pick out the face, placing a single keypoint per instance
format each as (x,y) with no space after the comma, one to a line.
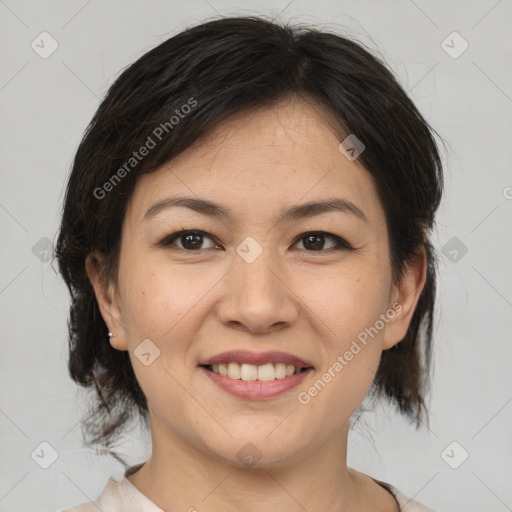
(308,285)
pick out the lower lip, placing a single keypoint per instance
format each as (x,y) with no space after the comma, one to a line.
(255,389)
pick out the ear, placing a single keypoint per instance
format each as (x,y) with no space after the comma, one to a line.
(405,297)
(107,298)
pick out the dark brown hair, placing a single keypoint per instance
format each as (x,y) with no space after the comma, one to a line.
(218,69)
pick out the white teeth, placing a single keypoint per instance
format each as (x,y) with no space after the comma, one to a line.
(248,372)
(264,372)
(234,370)
(280,370)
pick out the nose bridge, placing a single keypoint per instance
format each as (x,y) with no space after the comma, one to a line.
(255,265)
(258,296)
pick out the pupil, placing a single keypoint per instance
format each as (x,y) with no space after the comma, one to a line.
(312,237)
(188,237)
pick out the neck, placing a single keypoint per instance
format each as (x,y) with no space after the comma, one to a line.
(180,476)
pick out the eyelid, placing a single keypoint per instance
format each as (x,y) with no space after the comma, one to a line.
(342,244)
(169,239)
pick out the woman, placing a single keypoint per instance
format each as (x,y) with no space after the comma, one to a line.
(245,237)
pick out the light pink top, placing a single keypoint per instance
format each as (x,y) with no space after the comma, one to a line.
(123,496)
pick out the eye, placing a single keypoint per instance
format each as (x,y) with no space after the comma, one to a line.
(313,241)
(316,241)
(191,240)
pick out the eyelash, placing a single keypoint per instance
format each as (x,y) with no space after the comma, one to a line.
(342,244)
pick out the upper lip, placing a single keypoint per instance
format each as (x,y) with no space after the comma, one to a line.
(256,358)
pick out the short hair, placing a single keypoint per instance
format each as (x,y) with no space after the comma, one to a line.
(219,69)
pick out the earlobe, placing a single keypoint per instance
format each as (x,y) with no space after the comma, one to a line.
(406,295)
(106,298)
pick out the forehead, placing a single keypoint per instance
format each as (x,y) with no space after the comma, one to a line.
(261,161)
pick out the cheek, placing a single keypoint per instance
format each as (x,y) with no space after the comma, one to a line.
(347,301)
(349,307)
(159,308)
(166,304)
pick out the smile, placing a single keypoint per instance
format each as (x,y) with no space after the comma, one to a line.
(255,389)
(263,373)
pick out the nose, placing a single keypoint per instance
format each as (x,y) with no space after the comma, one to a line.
(258,295)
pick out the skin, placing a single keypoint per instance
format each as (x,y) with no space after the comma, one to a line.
(311,302)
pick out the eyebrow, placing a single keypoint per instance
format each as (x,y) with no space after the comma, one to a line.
(211,209)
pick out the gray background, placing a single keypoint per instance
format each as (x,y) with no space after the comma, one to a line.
(46,104)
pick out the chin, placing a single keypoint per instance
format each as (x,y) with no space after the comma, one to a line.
(255,449)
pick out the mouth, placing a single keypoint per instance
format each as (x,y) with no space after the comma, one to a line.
(251,372)
(260,366)
(255,376)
